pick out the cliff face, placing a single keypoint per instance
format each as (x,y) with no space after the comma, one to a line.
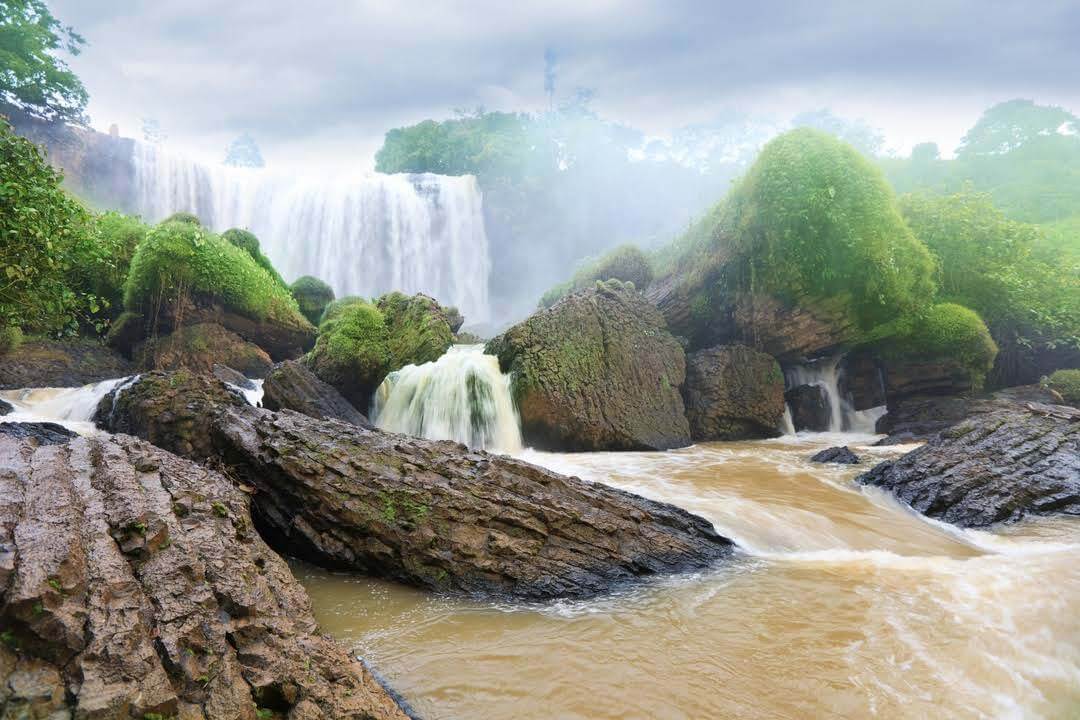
(97,167)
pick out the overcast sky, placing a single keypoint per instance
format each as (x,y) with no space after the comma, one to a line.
(321,81)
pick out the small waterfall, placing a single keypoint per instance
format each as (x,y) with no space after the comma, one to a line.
(71,407)
(825,374)
(364,235)
(461,396)
(787,425)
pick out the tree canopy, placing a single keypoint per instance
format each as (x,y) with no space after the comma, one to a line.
(32,77)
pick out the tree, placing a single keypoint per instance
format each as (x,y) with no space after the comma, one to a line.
(244,152)
(1010,125)
(32,77)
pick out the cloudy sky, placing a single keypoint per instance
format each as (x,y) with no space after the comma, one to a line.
(320,81)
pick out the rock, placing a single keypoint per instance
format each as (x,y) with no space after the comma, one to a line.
(60,363)
(312,295)
(199,347)
(596,371)
(840,455)
(427,513)
(6,407)
(135,586)
(862,380)
(41,433)
(228,375)
(1017,460)
(291,386)
(281,340)
(809,405)
(906,379)
(733,393)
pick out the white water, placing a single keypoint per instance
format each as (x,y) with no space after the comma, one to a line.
(843,417)
(71,407)
(462,396)
(364,235)
(252,395)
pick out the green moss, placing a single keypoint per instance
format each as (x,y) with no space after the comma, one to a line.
(219,509)
(946,331)
(417,328)
(313,296)
(335,308)
(11,338)
(246,241)
(1067,383)
(179,259)
(626,263)
(183,217)
(352,345)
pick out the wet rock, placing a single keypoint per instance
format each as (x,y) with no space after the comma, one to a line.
(809,405)
(135,586)
(292,386)
(40,433)
(199,348)
(910,378)
(1016,460)
(596,371)
(733,393)
(432,514)
(862,380)
(228,375)
(840,455)
(6,407)
(60,363)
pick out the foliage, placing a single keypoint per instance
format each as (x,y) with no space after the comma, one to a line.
(184,217)
(312,295)
(626,263)
(244,152)
(857,133)
(814,219)
(32,77)
(1066,382)
(117,235)
(947,330)
(1012,124)
(247,242)
(178,259)
(11,338)
(48,244)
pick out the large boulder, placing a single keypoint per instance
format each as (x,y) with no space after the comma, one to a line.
(312,295)
(199,348)
(292,386)
(733,393)
(596,371)
(809,405)
(60,363)
(427,513)
(1000,466)
(134,585)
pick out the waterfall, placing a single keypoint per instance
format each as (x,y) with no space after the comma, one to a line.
(362,234)
(72,407)
(843,417)
(461,396)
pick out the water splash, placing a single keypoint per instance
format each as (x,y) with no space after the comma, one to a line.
(72,407)
(843,417)
(364,235)
(462,396)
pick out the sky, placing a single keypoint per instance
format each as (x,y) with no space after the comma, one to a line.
(319,82)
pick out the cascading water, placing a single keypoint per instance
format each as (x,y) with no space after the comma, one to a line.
(842,416)
(461,396)
(72,407)
(364,235)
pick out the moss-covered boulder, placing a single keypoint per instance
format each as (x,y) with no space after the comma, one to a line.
(199,348)
(625,263)
(249,243)
(733,393)
(42,362)
(312,295)
(596,371)
(183,217)
(1066,383)
(360,343)
(182,274)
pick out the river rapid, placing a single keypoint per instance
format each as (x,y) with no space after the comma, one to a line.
(842,604)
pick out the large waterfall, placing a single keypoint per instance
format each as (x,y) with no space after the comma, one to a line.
(364,234)
(461,396)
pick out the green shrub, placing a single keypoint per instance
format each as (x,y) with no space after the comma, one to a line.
(1067,383)
(946,331)
(626,263)
(312,295)
(183,217)
(179,259)
(119,235)
(246,241)
(813,218)
(11,338)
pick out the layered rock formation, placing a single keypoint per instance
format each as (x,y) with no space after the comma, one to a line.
(733,393)
(433,514)
(135,586)
(199,348)
(596,371)
(809,405)
(291,386)
(1013,461)
(60,363)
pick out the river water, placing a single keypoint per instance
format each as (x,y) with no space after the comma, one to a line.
(842,605)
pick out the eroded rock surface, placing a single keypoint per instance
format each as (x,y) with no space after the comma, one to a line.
(733,393)
(839,455)
(60,363)
(809,405)
(135,586)
(292,386)
(1016,460)
(433,514)
(199,348)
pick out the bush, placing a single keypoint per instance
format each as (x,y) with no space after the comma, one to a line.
(179,259)
(11,338)
(312,295)
(183,217)
(1067,383)
(626,263)
(813,218)
(48,243)
(948,331)
(247,242)
(118,235)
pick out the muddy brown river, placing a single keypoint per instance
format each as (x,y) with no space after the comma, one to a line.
(842,605)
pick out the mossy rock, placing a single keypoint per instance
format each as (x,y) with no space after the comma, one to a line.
(312,295)
(199,347)
(626,263)
(418,328)
(1067,384)
(335,307)
(246,241)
